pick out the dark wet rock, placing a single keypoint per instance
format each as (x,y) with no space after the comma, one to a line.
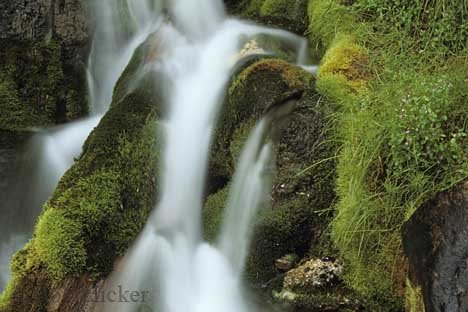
(11,149)
(436,243)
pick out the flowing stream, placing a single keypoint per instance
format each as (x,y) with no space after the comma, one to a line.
(50,152)
(170,261)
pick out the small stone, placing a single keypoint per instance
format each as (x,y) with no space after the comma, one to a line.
(287,262)
(312,274)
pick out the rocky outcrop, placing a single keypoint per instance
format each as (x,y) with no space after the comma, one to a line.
(27,20)
(98,208)
(436,243)
(285,14)
(295,226)
(42,62)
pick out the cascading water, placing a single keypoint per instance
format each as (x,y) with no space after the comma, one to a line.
(52,151)
(170,261)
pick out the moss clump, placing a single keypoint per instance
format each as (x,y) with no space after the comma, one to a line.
(346,65)
(275,7)
(250,94)
(33,88)
(102,202)
(286,14)
(60,237)
(285,228)
(213,214)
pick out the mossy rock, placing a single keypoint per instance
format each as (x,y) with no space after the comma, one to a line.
(101,203)
(286,14)
(304,187)
(34,90)
(213,214)
(303,192)
(252,91)
(344,68)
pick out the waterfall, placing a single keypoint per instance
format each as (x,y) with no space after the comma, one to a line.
(248,192)
(169,261)
(52,151)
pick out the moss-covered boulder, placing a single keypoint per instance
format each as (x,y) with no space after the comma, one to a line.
(100,204)
(303,189)
(286,14)
(251,92)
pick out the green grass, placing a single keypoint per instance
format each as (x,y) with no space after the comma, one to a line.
(403,130)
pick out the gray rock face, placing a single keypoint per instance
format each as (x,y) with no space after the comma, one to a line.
(35,20)
(70,22)
(436,244)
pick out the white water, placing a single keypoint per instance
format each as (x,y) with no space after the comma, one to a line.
(248,192)
(52,151)
(170,260)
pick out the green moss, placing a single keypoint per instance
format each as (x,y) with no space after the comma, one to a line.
(23,292)
(12,117)
(284,229)
(287,14)
(33,86)
(101,203)
(60,236)
(251,92)
(239,138)
(213,214)
(345,65)
(253,7)
(275,7)
(59,244)
(327,19)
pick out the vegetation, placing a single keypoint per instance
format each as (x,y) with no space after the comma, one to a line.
(286,14)
(397,70)
(101,203)
(27,97)
(390,96)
